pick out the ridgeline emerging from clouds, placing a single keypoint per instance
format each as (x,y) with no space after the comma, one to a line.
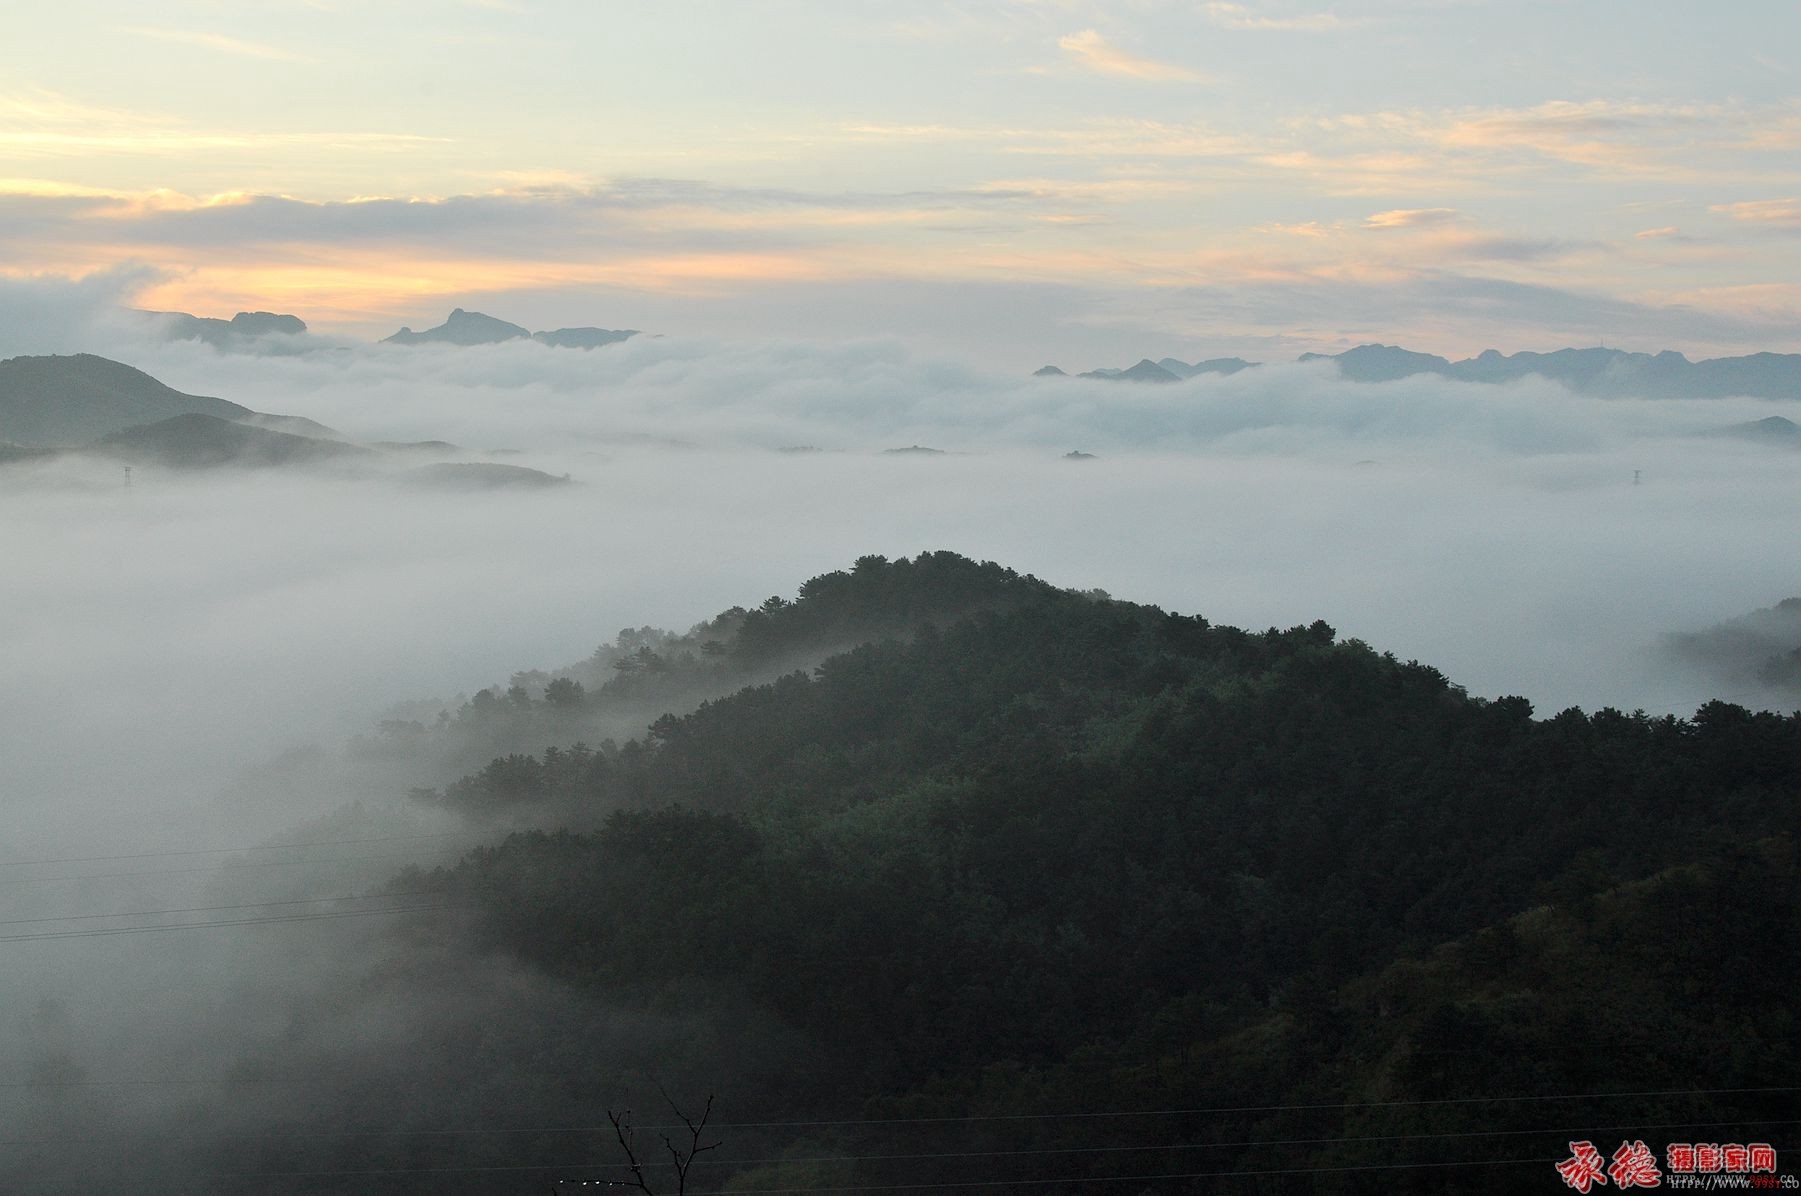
(1601,372)
(83,404)
(1598,371)
(277,333)
(474,328)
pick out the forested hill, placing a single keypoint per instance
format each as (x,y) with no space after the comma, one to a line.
(1083,854)
(646,672)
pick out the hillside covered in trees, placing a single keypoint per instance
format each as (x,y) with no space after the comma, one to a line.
(936,875)
(1067,855)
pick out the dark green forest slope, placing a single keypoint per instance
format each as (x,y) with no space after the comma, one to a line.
(1067,855)
(646,673)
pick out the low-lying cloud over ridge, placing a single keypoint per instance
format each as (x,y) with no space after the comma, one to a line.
(164,638)
(1493,530)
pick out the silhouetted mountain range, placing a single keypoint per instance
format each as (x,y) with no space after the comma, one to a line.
(462,328)
(1612,372)
(248,331)
(1762,648)
(298,425)
(276,333)
(1382,363)
(1602,372)
(1217,365)
(195,441)
(91,405)
(1145,371)
(1770,430)
(473,328)
(49,402)
(1167,370)
(584,338)
(482,475)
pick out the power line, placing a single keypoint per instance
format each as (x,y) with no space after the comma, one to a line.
(148,855)
(1360,1139)
(741,1125)
(935,1186)
(290,1135)
(260,863)
(202,909)
(1637,1127)
(104,932)
(326,860)
(1105,1179)
(1381,1104)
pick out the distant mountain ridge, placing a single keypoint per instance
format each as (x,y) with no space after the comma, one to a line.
(583,338)
(1145,371)
(1610,372)
(196,441)
(261,331)
(91,403)
(48,402)
(1167,370)
(1596,371)
(1762,648)
(482,475)
(267,332)
(87,406)
(1217,365)
(461,328)
(469,328)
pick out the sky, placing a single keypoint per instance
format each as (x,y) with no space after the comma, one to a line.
(1018,181)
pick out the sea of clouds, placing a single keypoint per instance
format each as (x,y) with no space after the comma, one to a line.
(158,640)
(200,621)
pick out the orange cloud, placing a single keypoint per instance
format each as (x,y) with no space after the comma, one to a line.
(1411,218)
(1310,228)
(346,289)
(1785,212)
(1089,49)
(1383,173)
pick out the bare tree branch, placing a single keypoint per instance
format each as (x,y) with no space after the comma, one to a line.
(681,1159)
(623,1131)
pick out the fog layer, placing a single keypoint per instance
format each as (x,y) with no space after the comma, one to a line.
(202,621)
(166,638)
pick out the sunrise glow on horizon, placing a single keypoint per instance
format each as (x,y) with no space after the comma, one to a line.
(1109,180)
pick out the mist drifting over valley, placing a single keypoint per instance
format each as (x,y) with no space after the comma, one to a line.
(195,655)
(228,615)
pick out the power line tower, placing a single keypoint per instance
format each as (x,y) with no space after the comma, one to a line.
(128,477)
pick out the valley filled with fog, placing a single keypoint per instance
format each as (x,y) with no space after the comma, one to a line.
(211,619)
(226,686)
